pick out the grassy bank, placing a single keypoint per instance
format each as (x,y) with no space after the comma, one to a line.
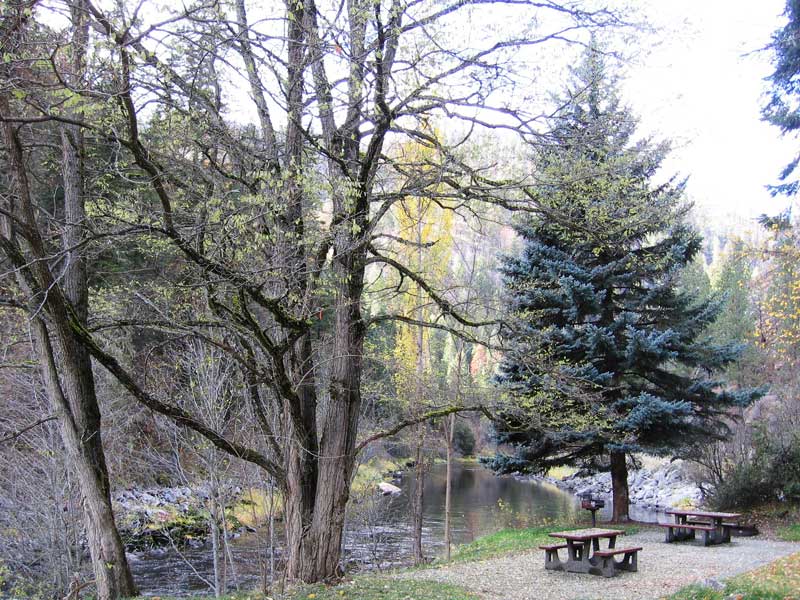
(779,580)
(512,541)
(383,588)
(790,533)
(361,588)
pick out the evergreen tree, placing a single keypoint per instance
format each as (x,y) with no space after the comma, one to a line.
(783,109)
(607,355)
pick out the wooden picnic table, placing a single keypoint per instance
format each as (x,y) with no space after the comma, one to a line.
(585,554)
(712,524)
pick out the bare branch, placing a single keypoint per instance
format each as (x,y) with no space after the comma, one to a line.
(427,416)
(15,434)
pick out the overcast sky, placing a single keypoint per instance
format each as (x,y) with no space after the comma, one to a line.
(699,81)
(701,84)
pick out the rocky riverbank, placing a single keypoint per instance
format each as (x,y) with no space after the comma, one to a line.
(660,487)
(166,516)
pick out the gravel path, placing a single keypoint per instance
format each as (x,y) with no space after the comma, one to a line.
(663,569)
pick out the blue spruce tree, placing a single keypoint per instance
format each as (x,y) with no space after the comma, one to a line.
(782,108)
(606,355)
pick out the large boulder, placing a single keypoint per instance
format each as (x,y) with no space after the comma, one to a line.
(387,489)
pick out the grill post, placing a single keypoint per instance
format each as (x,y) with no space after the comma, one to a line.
(592,505)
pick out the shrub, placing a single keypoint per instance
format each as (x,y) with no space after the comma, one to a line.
(770,471)
(464,439)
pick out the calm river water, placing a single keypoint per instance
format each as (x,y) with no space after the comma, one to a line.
(378,533)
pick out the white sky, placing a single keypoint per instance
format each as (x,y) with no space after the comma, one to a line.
(701,84)
(698,80)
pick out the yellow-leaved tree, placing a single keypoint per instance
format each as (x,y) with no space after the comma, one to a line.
(424,242)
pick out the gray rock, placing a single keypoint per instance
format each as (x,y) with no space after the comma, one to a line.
(389,489)
(712,584)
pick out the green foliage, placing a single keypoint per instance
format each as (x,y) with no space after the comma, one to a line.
(464,439)
(778,331)
(736,322)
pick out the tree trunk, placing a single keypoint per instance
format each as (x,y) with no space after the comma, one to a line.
(619,485)
(450,423)
(419,497)
(298,494)
(112,575)
(316,506)
(213,526)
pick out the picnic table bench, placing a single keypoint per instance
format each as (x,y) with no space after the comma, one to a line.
(585,556)
(713,525)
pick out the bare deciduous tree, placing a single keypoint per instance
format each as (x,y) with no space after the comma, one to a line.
(260,238)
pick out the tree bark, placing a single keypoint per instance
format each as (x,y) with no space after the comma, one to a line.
(419,497)
(450,423)
(112,575)
(318,482)
(619,485)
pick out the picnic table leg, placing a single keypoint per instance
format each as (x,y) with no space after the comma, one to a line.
(572,550)
(586,557)
(670,534)
(682,533)
(552,562)
(722,532)
(629,562)
(578,556)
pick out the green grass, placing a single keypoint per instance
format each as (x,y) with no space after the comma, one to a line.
(561,472)
(696,592)
(370,474)
(790,533)
(234,596)
(779,580)
(507,541)
(382,588)
(741,591)
(511,541)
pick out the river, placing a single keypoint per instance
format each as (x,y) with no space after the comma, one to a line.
(378,533)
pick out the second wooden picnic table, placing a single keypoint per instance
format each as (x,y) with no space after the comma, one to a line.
(586,556)
(712,524)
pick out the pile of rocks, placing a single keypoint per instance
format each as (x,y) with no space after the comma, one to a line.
(163,516)
(152,500)
(666,486)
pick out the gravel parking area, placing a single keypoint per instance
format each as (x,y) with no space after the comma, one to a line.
(663,569)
